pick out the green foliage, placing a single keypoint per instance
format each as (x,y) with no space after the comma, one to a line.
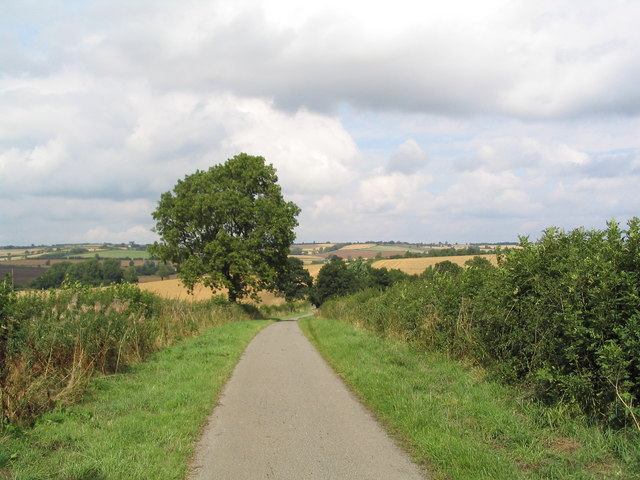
(337,278)
(130,275)
(572,318)
(137,426)
(228,227)
(90,272)
(561,316)
(334,279)
(462,425)
(335,247)
(53,341)
(443,252)
(294,281)
(448,267)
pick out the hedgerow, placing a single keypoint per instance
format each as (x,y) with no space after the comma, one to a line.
(560,316)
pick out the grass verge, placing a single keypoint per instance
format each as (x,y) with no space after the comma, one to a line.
(140,424)
(462,426)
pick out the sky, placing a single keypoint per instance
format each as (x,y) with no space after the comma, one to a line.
(421,121)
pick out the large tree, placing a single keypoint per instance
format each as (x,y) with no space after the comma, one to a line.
(227,227)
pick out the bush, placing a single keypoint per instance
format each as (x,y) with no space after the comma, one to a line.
(561,316)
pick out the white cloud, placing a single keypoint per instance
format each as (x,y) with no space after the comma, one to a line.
(529,112)
(407,158)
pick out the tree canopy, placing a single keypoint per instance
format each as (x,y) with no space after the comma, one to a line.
(334,279)
(90,272)
(227,227)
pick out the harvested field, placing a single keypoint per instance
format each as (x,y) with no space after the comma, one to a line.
(37,262)
(154,278)
(313,269)
(414,266)
(311,247)
(173,288)
(359,246)
(21,275)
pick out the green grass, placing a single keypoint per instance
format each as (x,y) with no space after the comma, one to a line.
(142,424)
(132,254)
(462,426)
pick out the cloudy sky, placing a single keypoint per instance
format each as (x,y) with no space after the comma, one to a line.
(407,120)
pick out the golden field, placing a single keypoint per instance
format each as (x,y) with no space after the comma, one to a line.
(313,269)
(173,288)
(359,246)
(311,247)
(307,258)
(414,266)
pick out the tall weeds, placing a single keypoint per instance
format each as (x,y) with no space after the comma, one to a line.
(51,343)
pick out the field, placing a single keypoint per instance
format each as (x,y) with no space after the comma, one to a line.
(414,266)
(13,252)
(308,258)
(396,249)
(312,247)
(353,253)
(133,254)
(359,246)
(173,288)
(313,269)
(20,275)
(411,266)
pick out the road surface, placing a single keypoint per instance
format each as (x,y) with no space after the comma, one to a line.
(284,414)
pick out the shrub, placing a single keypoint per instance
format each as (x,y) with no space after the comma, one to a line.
(561,316)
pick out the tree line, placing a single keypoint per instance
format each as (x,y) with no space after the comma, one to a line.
(95,273)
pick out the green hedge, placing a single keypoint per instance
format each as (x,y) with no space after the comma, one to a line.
(560,316)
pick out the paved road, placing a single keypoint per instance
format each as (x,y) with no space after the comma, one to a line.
(285,415)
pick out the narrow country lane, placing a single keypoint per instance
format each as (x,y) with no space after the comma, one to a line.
(286,415)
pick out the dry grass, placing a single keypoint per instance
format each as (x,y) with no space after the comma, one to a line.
(174,289)
(313,269)
(414,266)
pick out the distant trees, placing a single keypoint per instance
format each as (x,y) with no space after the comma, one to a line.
(337,278)
(90,272)
(149,267)
(163,271)
(334,280)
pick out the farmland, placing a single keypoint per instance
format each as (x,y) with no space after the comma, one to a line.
(317,253)
(20,275)
(66,251)
(414,266)
(174,289)
(132,254)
